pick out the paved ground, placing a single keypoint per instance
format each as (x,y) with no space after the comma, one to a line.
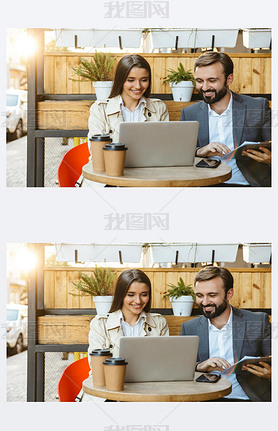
(16,161)
(17,375)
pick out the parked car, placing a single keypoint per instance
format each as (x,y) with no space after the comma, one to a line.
(16,327)
(16,113)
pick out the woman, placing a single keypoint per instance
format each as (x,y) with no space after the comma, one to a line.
(129,314)
(129,99)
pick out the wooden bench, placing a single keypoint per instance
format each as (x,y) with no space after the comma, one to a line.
(74,115)
(75,329)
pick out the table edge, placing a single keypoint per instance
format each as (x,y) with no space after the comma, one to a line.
(122,396)
(134,182)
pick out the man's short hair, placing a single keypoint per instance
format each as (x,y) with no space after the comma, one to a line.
(211,272)
(212,57)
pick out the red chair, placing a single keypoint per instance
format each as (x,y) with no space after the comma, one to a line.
(70,382)
(71,165)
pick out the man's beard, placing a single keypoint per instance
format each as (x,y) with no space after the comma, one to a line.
(218,95)
(217,310)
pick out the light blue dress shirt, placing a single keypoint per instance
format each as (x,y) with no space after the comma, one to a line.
(221,130)
(221,346)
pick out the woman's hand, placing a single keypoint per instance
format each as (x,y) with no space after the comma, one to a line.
(264,370)
(262,156)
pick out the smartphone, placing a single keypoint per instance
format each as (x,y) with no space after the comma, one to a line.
(208,163)
(208,378)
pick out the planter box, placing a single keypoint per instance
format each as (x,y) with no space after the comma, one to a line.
(222,38)
(110,38)
(167,38)
(167,253)
(98,38)
(223,252)
(66,37)
(193,38)
(256,253)
(193,253)
(259,38)
(98,253)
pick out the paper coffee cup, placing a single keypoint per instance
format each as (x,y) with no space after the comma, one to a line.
(114,370)
(114,158)
(97,358)
(97,143)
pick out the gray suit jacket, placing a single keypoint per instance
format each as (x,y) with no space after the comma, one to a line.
(251,337)
(251,122)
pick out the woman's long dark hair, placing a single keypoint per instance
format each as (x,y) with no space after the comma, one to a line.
(124,66)
(124,281)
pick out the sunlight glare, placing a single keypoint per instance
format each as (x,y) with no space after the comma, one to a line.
(26,45)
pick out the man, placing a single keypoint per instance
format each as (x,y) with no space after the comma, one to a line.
(227,334)
(227,120)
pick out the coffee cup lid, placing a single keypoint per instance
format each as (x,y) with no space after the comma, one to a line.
(101,137)
(101,352)
(115,146)
(115,361)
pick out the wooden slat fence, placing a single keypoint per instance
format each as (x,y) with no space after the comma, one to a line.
(252,287)
(252,72)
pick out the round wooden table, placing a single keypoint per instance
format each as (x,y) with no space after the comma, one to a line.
(177,391)
(177,176)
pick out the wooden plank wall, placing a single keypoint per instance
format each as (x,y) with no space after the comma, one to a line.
(252,286)
(252,73)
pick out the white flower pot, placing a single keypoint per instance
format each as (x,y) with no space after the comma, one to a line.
(182,306)
(103,303)
(102,89)
(182,91)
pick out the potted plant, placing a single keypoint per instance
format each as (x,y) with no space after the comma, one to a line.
(181,82)
(182,298)
(98,70)
(99,286)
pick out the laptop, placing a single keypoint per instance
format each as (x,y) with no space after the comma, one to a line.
(159,143)
(156,359)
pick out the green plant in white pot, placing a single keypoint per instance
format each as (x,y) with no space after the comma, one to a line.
(182,298)
(98,285)
(99,71)
(182,83)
